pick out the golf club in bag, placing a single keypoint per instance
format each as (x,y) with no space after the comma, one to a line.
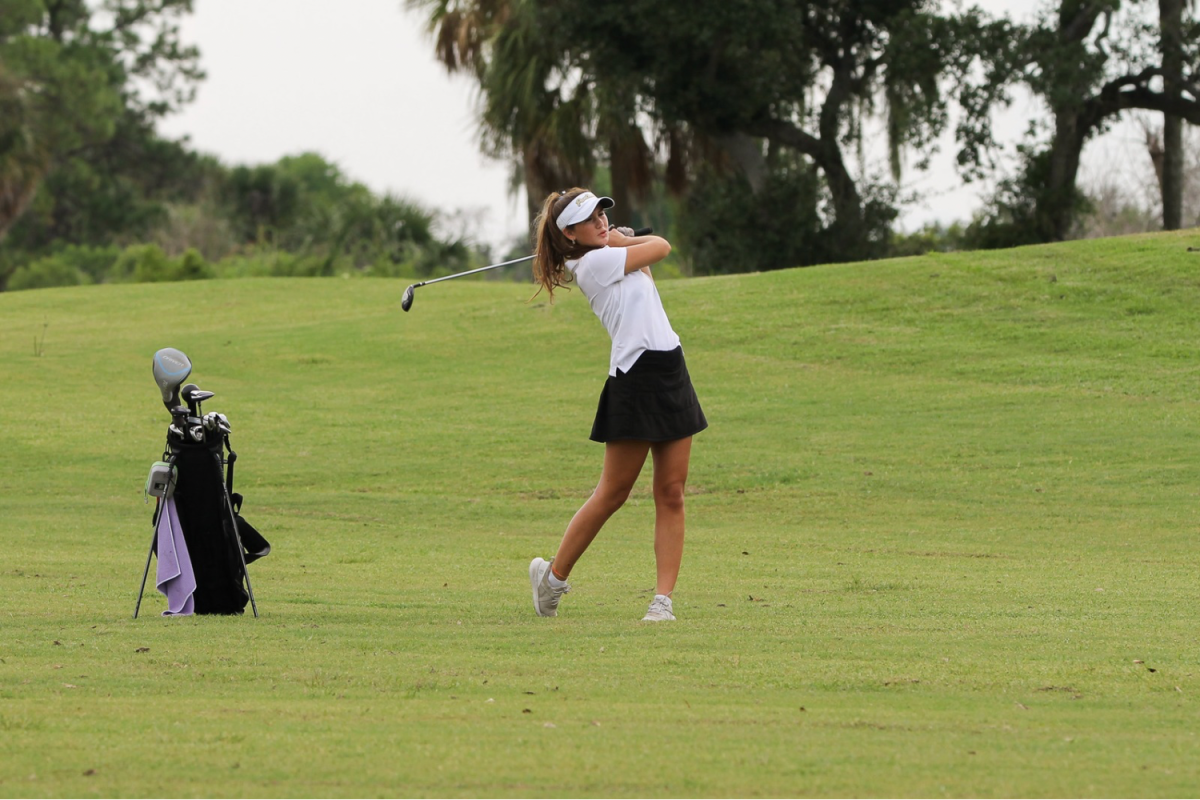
(202,542)
(407,300)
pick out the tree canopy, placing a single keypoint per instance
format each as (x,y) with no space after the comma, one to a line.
(738,104)
(1090,62)
(740,127)
(717,93)
(81,89)
(84,173)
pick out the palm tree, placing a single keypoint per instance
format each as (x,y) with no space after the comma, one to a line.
(534,112)
(531,114)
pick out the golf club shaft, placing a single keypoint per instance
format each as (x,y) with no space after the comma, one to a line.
(638,232)
(407,300)
(473,271)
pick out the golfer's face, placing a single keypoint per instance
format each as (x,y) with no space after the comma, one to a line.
(593,231)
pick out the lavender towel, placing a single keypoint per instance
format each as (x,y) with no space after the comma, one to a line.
(175,577)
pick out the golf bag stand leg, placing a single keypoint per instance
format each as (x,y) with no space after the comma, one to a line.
(158,512)
(227,488)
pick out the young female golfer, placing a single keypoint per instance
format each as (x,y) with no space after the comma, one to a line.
(648,405)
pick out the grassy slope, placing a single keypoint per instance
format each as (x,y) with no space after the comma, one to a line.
(941,539)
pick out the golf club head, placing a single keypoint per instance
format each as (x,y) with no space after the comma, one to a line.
(407,300)
(194,394)
(185,394)
(171,368)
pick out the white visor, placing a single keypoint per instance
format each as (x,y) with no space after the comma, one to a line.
(581,208)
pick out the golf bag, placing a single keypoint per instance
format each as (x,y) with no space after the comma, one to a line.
(219,541)
(202,542)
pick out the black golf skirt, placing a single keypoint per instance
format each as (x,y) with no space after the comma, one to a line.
(653,402)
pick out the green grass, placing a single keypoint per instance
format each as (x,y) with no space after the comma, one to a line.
(941,539)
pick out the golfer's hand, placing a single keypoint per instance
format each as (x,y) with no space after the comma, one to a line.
(620,237)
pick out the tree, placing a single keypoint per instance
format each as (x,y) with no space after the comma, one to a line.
(1090,63)
(80,89)
(262,202)
(533,112)
(710,84)
(733,81)
(24,157)
(1171,35)
(305,206)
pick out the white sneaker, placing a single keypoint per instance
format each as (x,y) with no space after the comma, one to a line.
(660,610)
(545,596)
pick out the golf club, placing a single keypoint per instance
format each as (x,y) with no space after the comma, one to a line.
(407,300)
(171,368)
(193,395)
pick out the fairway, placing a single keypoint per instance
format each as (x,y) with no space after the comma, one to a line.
(942,539)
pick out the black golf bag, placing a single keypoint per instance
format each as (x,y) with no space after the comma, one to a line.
(219,541)
(202,542)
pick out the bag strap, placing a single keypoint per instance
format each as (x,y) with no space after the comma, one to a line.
(229,465)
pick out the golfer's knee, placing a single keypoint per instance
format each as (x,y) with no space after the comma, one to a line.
(669,496)
(612,497)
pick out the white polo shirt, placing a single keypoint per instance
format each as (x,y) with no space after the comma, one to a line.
(628,305)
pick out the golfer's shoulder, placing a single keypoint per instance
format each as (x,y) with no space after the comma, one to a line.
(607,256)
(598,260)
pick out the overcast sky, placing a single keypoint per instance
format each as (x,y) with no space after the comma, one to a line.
(356,81)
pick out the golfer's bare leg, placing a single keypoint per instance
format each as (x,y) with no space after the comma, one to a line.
(670,475)
(623,462)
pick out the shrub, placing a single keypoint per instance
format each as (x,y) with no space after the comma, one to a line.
(141,263)
(191,266)
(95,262)
(267,262)
(71,266)
(46,273)
(933,238)
(147,263)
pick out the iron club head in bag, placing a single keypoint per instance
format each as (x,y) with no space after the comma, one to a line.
(193,395)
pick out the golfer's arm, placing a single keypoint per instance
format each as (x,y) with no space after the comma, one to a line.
(642,251)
